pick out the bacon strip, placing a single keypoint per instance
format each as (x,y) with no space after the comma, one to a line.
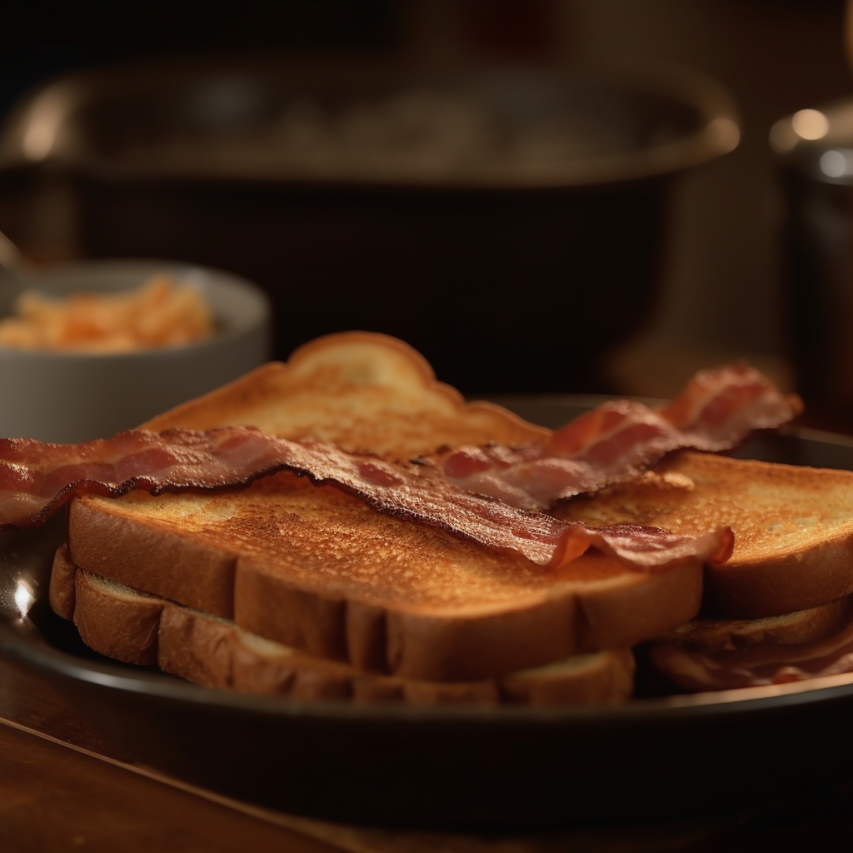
(754,667)
(36,478)
(716,411)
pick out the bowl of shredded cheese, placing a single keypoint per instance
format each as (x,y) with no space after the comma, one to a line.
(88,349)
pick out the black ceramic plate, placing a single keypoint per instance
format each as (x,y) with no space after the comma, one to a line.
(652,758)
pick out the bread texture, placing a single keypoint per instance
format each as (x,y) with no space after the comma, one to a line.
(315,569)
(141,629)
(793,527)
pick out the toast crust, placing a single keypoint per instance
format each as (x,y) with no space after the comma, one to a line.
(138,628)
(793,527)
(112,619)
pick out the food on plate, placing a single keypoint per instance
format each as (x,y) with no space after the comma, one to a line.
(158,313)
(38,477)
(144,629)
(346,524)
(793,527)
(720,654)
(436,586)
(778,609)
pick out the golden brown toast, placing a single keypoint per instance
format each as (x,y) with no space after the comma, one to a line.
(146,630)
(362,391)
(793,527)
(314,568)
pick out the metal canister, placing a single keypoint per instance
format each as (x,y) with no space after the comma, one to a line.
(814,153)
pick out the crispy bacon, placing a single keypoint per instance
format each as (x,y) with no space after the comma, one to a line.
(35,479)
(493,495)
(756,666)
(717,410)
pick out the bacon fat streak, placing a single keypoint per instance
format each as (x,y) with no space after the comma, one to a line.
(716,411)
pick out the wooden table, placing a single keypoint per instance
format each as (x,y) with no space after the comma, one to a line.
(64,788)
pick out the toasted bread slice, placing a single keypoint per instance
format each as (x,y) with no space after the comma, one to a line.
(314,568)
(146,630)
(362,391)
(793,527)
(789,629)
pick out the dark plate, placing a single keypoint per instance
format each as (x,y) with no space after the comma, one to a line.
(652,758)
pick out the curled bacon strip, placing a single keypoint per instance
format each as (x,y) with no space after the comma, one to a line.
(716,411)
(36,478)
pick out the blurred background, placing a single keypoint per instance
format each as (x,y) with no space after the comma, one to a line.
(666,284)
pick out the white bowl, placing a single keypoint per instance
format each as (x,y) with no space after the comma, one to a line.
(74,397)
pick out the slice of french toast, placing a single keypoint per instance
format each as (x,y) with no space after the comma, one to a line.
(141,629)
(793,527)
(316,569)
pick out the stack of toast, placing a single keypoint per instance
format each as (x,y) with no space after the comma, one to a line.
(780,608)
(295,588)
